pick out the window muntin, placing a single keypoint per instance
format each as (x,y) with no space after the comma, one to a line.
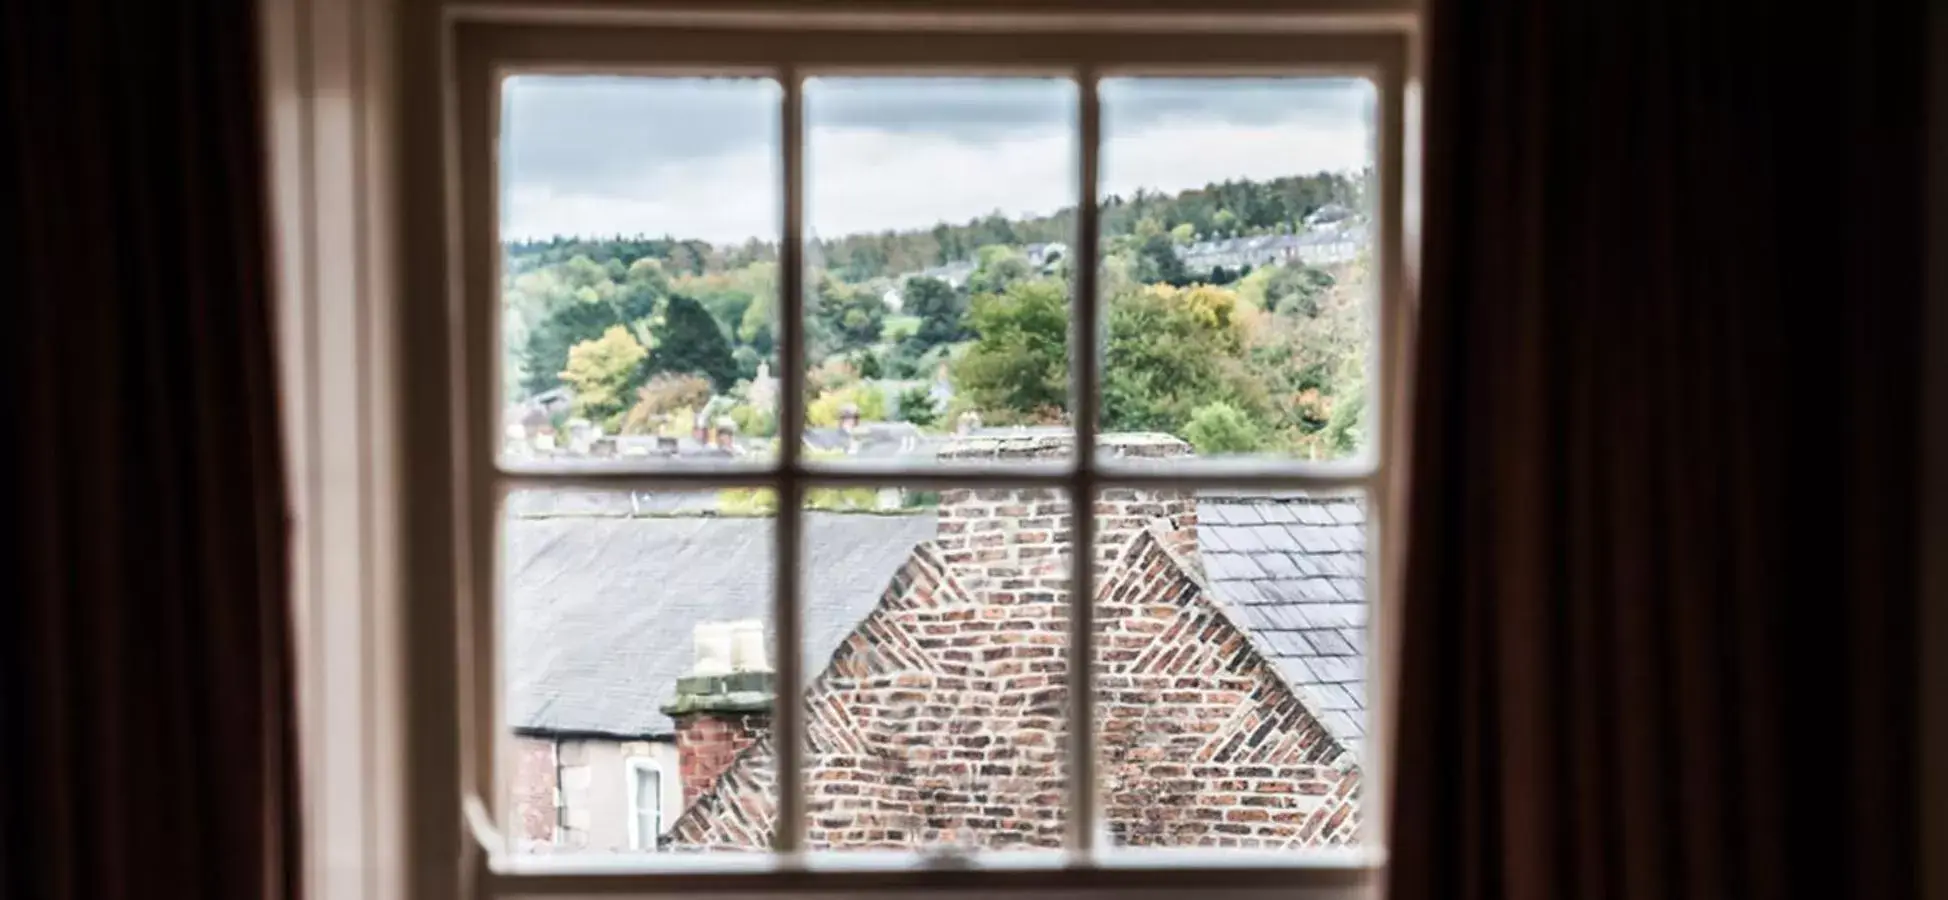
(796,477)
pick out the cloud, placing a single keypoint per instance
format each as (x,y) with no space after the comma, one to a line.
(698,158)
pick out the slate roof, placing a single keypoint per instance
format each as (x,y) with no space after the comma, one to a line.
(601,608)
(1291,570)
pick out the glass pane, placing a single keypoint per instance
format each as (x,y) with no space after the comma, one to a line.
(936,657)
(636,626)
(1230,668)
(641,220)
(1235,253)
(939,217)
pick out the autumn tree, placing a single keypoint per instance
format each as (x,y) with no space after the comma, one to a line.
(602,372)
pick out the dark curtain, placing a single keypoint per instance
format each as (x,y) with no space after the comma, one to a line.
(146,711)
(1660,584)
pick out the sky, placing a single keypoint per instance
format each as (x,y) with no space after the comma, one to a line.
(698,158)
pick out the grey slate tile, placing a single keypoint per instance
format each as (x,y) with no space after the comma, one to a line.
(1231,566)
(1327,642)
(1337,668)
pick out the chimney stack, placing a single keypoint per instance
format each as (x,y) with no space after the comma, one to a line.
(995,539)
(724,704)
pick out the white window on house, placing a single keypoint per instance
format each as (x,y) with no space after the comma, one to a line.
(645,803)
(1060,571)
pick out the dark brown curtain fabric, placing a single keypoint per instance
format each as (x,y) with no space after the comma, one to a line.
(146,711)
(1659,592)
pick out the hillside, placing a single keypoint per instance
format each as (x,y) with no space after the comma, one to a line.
(1219,330)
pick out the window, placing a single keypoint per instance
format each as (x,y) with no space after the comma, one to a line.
(958,440)
(645,803)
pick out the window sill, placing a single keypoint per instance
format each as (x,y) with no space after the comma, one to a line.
(1338,872)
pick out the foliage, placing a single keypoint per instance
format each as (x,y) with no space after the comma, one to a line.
(1216,428)
(942,312)
(1172,350)
(997,268)
(601,372)
(753,421)
(824,411)
(689,342)
(1277,351)
(1019,363)
(1295,289)
(846,316)
(663,394)
(916,406)
(730,295)
(758,502)
(553,309)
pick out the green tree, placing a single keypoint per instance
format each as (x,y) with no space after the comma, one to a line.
(1019,363)
(849,315)
(572,323)
(996,268)
(942,312)
(1172,350)
(602,372)
(1157,261)
(689,341)
(1219,427)
(1295,289)
(916,406)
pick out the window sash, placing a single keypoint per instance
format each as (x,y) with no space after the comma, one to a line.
(645,803)
(1084,48)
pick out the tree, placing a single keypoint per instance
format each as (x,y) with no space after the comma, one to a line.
(1295,289)
(759,319)
(1172,350)
(689,341)
(916,406)
(1019,363)
(1219,427)
(868,400)
(602,371)
(942,312)
(997,267)
(1157,262)
(663,394)
(849,315)
(546,353)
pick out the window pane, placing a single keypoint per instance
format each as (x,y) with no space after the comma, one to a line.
(939,218)
(1235,255)
(1230,667)
(641,220)
(637,625)
(937,657)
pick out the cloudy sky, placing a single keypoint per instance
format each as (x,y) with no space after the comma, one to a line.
(698,157)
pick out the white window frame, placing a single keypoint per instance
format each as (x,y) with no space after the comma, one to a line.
(484,44)
(633,767)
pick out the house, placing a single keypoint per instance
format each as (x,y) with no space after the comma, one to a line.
(1231,652)
(1333,242)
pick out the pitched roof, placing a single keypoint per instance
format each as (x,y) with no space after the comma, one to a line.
(1291,570)
(601,608)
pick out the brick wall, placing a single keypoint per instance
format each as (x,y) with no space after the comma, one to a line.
(708,742)
(942,718)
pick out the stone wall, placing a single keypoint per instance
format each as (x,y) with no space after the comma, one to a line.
(942,719)
(534,816)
